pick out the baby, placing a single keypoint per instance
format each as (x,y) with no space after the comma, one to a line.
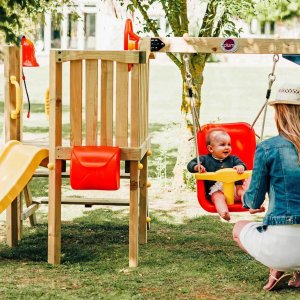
(218,144)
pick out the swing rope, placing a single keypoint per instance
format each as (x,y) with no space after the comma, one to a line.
(271,78)
(195,117)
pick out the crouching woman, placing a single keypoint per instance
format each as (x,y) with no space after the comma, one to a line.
(276,241)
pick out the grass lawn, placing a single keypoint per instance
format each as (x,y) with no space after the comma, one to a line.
(196,259)
(193,260)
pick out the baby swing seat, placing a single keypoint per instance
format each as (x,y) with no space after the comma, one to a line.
(243,143)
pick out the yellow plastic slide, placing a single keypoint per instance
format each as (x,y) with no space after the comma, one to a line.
(18,162)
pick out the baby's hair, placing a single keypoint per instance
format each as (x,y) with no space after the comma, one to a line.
(209,134)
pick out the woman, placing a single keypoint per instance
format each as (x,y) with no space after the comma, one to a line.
(276,241)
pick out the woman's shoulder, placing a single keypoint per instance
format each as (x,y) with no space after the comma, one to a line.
(275,141)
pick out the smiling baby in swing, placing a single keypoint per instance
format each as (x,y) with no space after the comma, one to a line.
(218,143)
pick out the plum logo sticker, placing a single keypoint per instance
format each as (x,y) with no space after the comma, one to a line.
(229,45)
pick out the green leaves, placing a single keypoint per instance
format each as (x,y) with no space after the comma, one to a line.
(274,10)
(18,16)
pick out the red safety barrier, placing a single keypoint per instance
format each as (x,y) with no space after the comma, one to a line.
(95,168)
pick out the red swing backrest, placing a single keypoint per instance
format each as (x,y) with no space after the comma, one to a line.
(243,144)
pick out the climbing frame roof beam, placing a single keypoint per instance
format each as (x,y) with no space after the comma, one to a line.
(221,45)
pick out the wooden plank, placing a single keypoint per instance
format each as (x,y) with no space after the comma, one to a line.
(144,101)
(90,201)
(135,137)
(64,153)
(30,211)
(122,105)
(107,79)
(12,66)
(76,103)
(213,45)
(134,214)
(19,213)
(28,201)
(55,140)
(134,57)
(91,107)
(67,174)
(143,207)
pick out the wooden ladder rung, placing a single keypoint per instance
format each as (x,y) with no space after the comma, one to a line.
(89,201)
(42,173)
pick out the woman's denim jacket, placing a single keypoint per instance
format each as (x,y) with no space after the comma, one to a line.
(276,171)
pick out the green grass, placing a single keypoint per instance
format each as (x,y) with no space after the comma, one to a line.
(193,260)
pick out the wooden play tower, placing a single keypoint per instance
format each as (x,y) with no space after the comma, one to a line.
(108,107)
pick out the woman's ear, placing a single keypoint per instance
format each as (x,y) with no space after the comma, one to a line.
(209,148)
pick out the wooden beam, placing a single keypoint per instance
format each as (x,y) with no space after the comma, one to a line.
(134,215)
(214,45)
(126,153)
(134,57)
(89,201)
(40,174)
(12,66)
(143,205)
(76,103)
(55,139)
(30,211)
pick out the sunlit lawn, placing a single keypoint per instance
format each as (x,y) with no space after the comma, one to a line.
(193,260)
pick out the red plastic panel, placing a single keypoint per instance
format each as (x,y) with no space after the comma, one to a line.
(243,144)
(95,168)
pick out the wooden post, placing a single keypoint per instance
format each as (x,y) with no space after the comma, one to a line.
(143,207)
(55,135)
(134,214)
(12,67)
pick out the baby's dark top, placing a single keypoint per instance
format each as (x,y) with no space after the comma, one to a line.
(212,164)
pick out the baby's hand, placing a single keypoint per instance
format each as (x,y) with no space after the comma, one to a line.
(239,169)
(202,169)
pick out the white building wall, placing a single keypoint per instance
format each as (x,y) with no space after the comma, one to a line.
(109,28)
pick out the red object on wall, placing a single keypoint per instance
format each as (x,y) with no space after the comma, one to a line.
(28,53)
(95,168)
(129,35)
(131,40)
(243,143)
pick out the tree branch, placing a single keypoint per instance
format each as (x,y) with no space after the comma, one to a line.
(208,20)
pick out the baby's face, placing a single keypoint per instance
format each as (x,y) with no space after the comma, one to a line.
(220,145)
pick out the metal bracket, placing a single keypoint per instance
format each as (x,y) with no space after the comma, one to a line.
(156,44)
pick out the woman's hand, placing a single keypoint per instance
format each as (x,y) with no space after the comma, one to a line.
(257,210)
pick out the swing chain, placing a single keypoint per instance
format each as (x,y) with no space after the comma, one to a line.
(272,76)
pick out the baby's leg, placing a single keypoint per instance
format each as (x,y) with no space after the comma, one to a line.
(219,201)
(239,192)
